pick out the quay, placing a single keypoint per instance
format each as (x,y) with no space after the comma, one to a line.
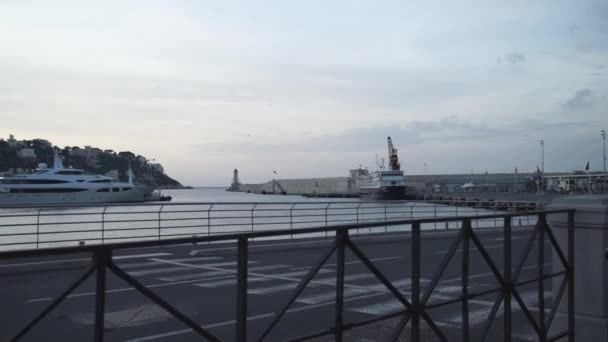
(201,283)
(510,186)
(405,278)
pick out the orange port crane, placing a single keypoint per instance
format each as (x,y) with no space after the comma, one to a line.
(392,156)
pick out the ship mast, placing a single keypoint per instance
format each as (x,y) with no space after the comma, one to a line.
(392,156)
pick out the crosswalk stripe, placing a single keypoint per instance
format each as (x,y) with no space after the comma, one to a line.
(232,281)
(285,287)
(223,282)
(199,276)
(155,263)
(273,289)
(330,295)
(203,275)
(379,309)
(182,268)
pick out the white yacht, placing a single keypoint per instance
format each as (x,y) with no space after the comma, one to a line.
(59,185)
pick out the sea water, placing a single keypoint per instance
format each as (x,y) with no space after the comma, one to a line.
(211,211)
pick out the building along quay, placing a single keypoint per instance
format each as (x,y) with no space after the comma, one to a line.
(510,186)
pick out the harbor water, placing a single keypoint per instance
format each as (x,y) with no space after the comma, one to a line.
(212,211)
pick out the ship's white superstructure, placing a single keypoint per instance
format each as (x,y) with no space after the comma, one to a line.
(384,184)
(59,185)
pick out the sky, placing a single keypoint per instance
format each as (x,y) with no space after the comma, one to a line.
(311,88)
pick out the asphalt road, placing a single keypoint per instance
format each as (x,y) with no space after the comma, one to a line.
(201,283)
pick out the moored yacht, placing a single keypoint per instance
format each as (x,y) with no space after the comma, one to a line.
(59,185)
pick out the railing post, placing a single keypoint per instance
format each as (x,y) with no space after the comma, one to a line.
(385,219)
(291,220)
(507,279)
(358,206)
(541,273)
(415,314)
(241,294)
(571,276)
(435,214)
(101,259)
(209,222)
(341,238)
(159,220)
(38,228)
(103,224)
(252,217)
(466,226)
(326,221)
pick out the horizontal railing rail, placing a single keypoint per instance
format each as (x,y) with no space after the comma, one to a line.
(47,226)
(415,308)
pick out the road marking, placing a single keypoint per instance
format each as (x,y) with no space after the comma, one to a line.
(202,276)
(181,268)
(351,262)
(223,282)
(273,289)
(250,318)
(122,289)
(512,238)
(155,263)
(379,288)
(481,275)
(480,316)
(330,295)
(261,246)
(232,281)
(123,257)
(257,317)
(255,274)
(285,287)
(472,249)
(84,259)
(378,309)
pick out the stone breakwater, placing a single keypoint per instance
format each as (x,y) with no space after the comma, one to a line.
(309,186)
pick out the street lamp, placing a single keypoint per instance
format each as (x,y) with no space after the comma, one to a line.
(604,138)
(542,156)
(426,180)
(542,165)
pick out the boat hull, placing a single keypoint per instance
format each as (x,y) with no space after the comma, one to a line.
(387,193)
(136,194)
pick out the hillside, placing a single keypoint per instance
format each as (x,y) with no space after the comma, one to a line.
(25,155)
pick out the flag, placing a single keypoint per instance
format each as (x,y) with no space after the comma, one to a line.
(587,166)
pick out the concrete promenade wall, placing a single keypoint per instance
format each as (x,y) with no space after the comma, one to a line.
(333,185)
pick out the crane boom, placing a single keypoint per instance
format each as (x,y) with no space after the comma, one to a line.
(393,157)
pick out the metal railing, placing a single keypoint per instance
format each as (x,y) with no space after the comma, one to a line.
(46,226)
(415,310)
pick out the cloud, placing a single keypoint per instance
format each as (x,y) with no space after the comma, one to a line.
(450,130)
(582,99)
(513,58)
